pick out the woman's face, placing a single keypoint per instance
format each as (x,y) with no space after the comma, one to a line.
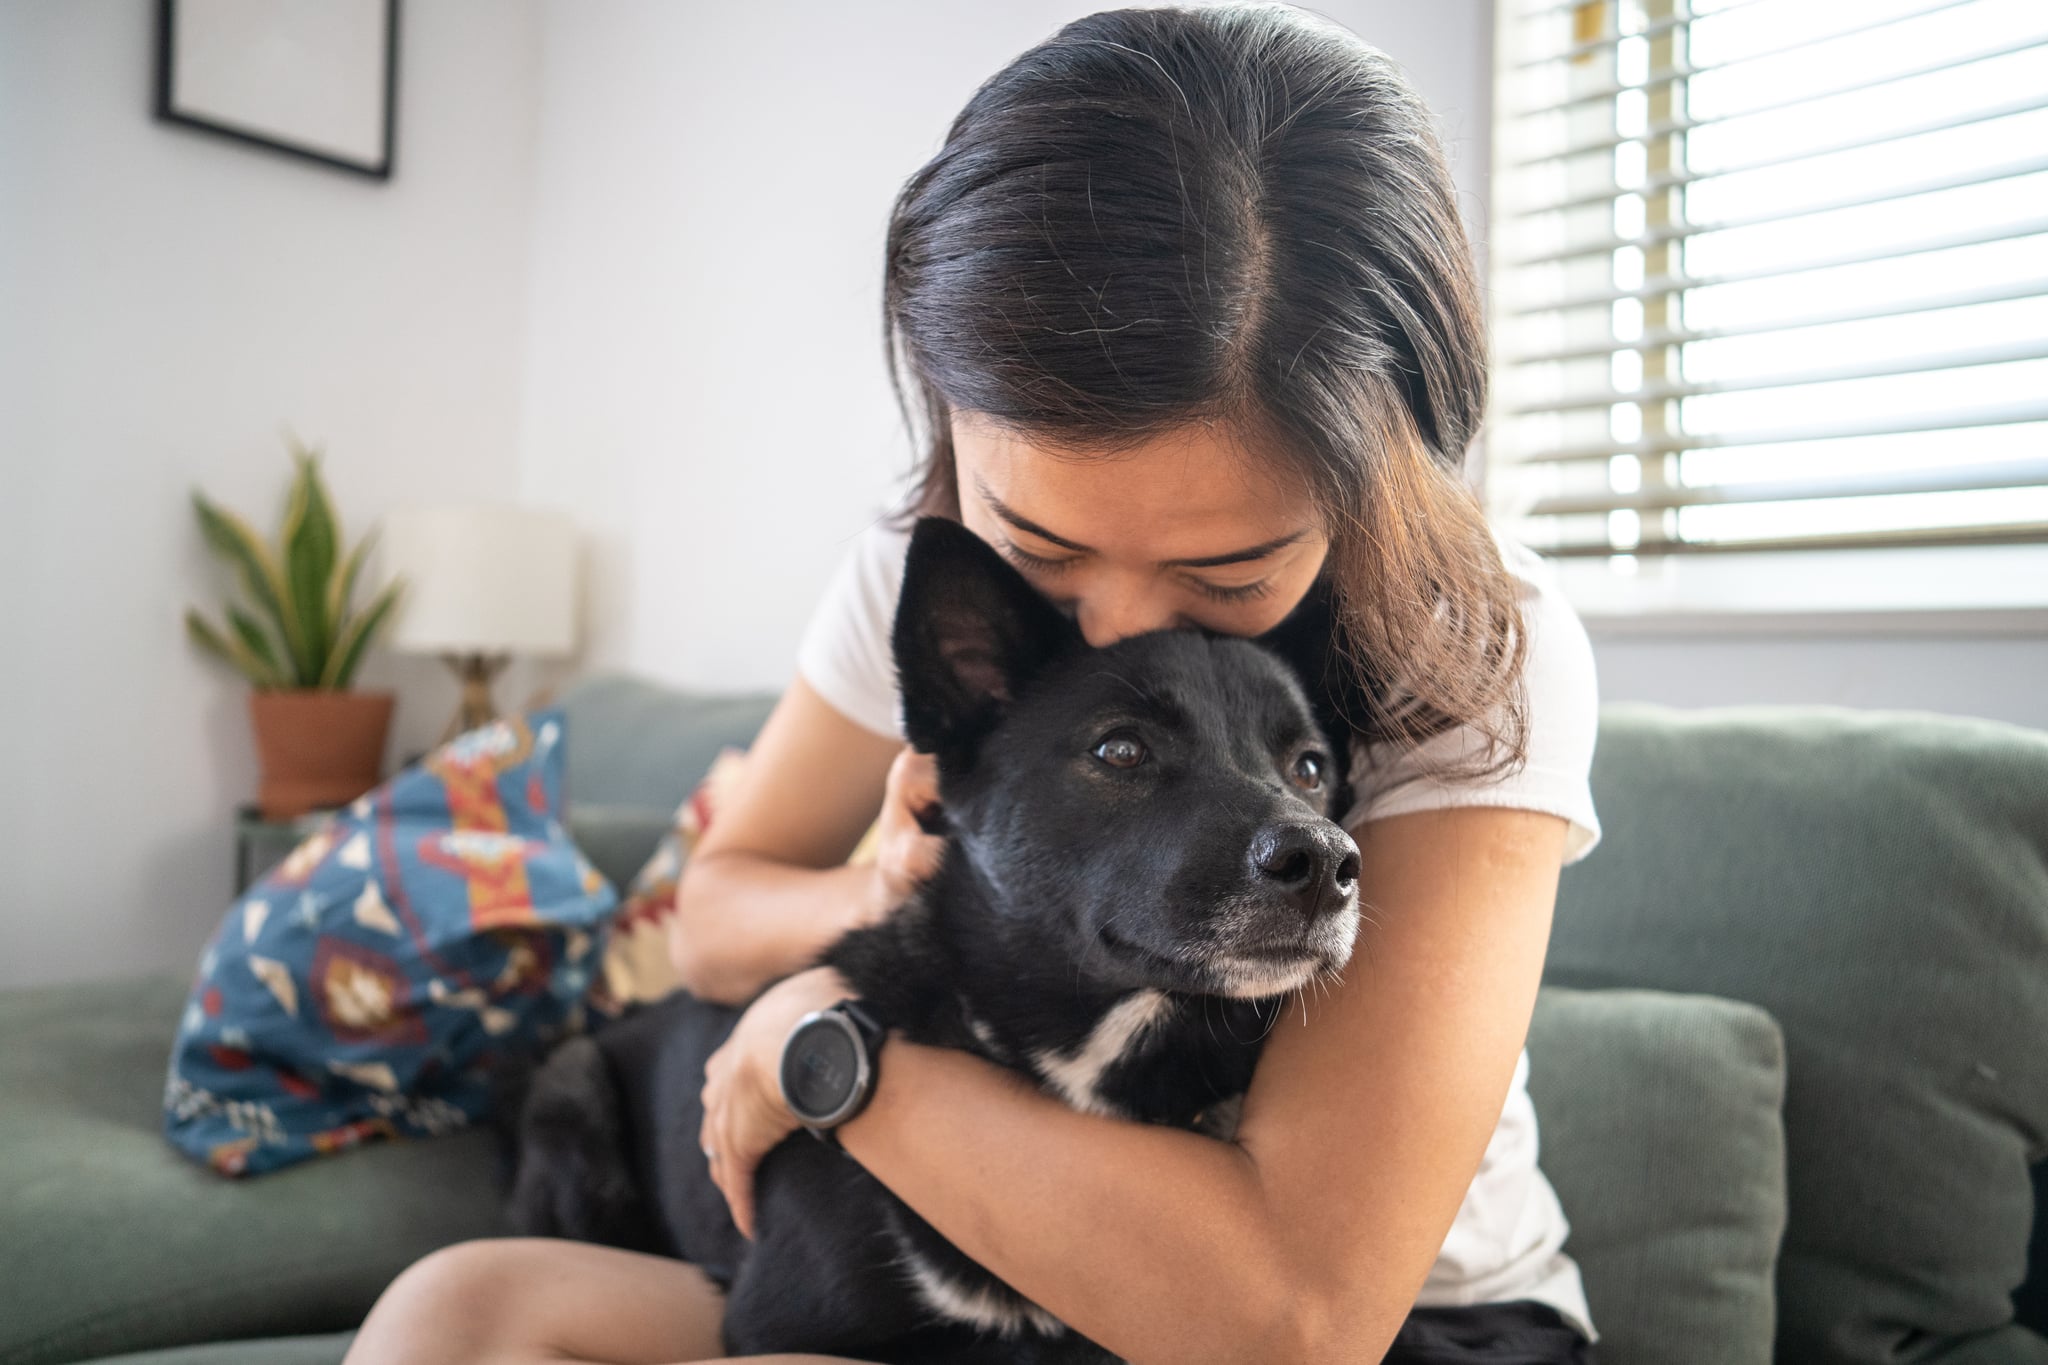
(1185,530)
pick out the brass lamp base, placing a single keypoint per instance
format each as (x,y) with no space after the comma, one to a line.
(475,672)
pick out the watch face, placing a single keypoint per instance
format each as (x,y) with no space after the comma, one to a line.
(819,1070)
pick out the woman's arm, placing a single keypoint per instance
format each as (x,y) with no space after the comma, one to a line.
(1309,1236)
(766,890)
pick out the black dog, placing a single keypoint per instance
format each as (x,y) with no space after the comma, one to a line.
(1139,869)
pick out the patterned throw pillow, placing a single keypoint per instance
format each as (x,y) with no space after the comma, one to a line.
(362,989)
(637,965)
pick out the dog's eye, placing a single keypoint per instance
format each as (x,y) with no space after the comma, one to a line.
(1120,751)
(1308,770)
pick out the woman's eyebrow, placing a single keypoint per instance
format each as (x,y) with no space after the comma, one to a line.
(1238,556)
(1204,562)
(1024,523)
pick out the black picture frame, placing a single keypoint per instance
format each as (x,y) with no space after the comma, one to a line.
(166,109)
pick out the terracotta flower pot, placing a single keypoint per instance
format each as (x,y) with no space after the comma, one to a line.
(317,748)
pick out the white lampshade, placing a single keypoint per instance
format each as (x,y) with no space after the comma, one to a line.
(482,578)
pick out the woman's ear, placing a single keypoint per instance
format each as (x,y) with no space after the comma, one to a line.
(970,632)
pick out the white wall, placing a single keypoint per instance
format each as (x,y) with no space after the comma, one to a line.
(706,384)
(1994,677)
(168,301)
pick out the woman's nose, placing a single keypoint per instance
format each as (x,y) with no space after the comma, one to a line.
(1107,618)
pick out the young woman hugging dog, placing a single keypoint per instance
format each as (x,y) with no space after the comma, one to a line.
(1185,323)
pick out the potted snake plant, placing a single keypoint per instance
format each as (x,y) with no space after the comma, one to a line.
(298,639)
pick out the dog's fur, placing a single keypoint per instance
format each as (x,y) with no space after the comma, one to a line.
(1125,937)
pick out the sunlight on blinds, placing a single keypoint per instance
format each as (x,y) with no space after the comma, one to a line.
(1771,273)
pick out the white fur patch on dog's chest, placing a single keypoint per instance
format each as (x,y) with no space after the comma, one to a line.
(993,1307)
(1118,1034)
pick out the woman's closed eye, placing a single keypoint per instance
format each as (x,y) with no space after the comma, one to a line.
(1023,558)
(1215,592)
(1242,592)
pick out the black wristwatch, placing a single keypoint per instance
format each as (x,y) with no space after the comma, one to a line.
(828,1068)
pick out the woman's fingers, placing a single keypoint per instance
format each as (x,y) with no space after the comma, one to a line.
(744,1113)
(917,777)
(714,1135)
(740,1195)
(911,854)
(730,1169)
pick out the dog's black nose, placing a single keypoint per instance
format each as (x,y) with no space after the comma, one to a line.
(1312,865)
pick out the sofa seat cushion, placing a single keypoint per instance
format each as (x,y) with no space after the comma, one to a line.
(1661,1121)
(115,1242)
(326,1349)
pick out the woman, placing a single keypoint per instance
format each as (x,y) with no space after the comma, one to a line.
(1192,320)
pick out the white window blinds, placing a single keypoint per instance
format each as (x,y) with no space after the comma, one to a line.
(1770,274)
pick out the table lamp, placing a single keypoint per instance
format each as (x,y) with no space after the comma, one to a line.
(484,581)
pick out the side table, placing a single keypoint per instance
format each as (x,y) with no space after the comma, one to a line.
(262,844)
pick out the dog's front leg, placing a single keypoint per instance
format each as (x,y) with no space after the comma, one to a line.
(822,1274)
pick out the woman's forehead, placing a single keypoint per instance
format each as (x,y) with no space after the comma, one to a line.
(1194,492)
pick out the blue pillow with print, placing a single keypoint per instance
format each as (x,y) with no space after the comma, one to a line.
(364,988)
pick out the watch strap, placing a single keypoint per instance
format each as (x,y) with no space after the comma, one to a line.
(862,1015)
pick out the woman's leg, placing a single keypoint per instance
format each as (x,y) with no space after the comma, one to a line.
(529,1299)
(521,1300)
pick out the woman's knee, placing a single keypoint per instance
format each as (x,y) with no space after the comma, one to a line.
(472,1274)
(507,1299)
(463,1301)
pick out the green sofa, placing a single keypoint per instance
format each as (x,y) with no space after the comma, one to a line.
(1788,1062)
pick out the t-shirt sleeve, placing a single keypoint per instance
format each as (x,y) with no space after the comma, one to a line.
(1563,721)
(845,654)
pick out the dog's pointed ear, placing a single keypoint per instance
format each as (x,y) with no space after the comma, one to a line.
(970,632)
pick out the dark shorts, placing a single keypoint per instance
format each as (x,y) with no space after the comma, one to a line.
(1523,1332)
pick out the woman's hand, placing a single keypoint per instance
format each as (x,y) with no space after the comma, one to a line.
(744,1113)
(904,854)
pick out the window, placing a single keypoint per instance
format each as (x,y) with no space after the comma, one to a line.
(1771,276)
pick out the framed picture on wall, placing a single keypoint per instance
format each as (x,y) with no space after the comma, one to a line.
(317,79)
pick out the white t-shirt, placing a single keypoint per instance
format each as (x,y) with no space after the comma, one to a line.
(1506,1242)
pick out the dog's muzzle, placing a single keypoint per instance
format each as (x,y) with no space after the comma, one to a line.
(1301,916)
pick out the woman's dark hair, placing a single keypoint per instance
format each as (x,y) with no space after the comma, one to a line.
(1235,215)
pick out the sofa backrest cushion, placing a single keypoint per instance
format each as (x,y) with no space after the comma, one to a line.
(642,747)
(1878,881)
(1661,1121)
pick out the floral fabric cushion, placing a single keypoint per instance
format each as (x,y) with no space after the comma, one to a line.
(637,964)
(363,988)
